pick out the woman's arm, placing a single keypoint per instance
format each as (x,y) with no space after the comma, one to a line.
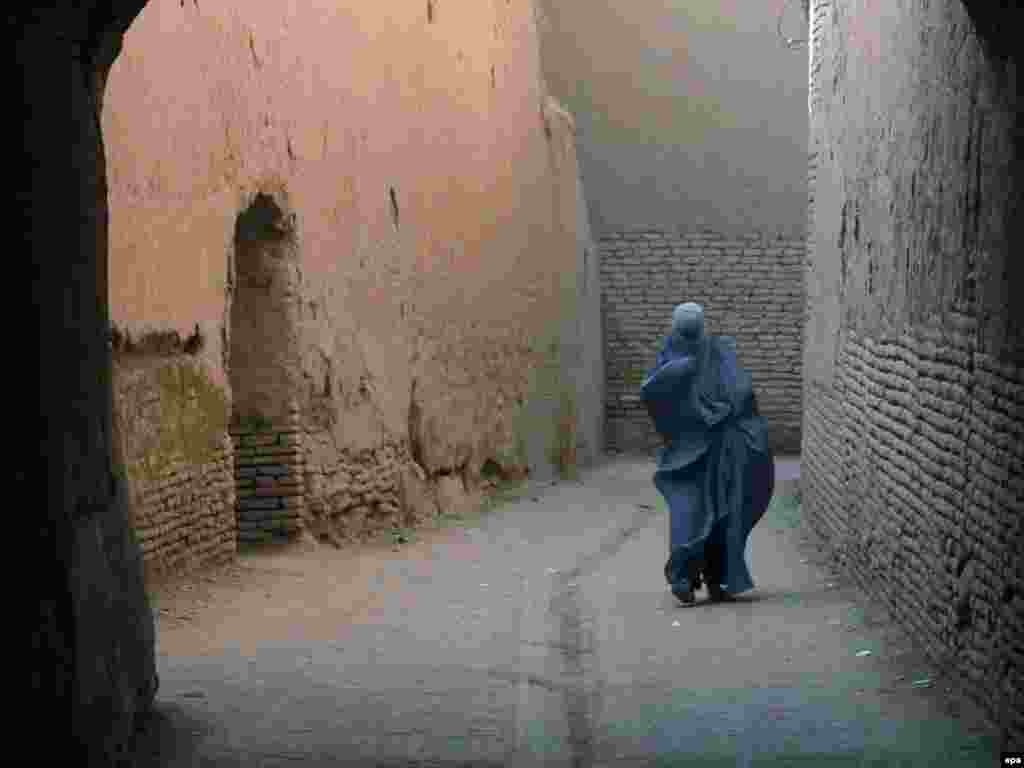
(665,377)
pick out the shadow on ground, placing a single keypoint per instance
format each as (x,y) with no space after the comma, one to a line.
(544,635)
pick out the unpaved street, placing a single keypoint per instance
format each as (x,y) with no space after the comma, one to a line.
(543,636)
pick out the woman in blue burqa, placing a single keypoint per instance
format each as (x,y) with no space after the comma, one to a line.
(715,470)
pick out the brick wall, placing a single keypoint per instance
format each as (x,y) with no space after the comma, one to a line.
(751,289)
(912,471)
(914,351)
(179,460)
(269,479)
(353,493)
(186,518)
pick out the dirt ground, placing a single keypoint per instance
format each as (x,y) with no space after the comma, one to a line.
(543,633)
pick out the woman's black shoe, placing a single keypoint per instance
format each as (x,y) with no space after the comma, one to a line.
(719,595)
(684,596)
(694,573)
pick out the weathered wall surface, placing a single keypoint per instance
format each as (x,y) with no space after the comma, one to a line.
(752,289)
(588,367)
(914,386)
(179,463)
(691,127)
(691,115)
(370,214)
(91,662)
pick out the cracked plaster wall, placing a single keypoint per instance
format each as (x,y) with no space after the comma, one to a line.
(431,186)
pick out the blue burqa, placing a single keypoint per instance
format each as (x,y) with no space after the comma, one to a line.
(715,470)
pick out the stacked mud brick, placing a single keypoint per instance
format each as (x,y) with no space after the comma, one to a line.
(914,474)
(186,517)
(182,505)
(751,288)
(352,493)
(269,482)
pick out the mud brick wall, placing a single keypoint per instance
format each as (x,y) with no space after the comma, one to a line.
(179,463)
(186,518)
(359,260)
(914,341)
(269,479)
(355,493)
(914,467)
(352,493)
(751,289)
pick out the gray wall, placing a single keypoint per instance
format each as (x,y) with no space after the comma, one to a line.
(913,437)
(691,114)
(755,290)
(589,371)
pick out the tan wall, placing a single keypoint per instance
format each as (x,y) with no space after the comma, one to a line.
(434,311)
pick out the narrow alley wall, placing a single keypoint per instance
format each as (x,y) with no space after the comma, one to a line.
(692,132)
(584,364)
(754,290)
(180,467)
(914,385)
(362,227)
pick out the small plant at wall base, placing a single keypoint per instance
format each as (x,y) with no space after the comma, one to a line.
(253,421)
(565,438)
(491,472)
(505,491)
(401,534)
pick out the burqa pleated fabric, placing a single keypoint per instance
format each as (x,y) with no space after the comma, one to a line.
(715,470)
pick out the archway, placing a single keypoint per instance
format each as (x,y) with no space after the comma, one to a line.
(92,651)
(262,362)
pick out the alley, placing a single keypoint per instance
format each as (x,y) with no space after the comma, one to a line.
(543,636)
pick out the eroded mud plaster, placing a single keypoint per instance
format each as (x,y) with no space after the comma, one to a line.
(417,311)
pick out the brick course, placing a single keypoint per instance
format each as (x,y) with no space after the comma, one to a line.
(186,519)
(183,506)
(751,288)
(269,480)
(912,470)
(914,385)
(353,493)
